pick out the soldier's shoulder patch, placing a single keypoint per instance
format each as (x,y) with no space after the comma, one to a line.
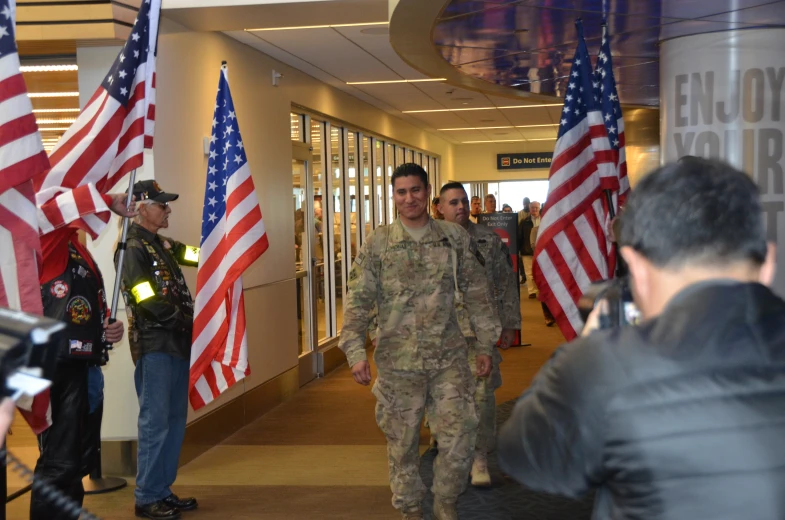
(360,258)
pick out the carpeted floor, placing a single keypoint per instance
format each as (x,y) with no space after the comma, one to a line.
(506,499)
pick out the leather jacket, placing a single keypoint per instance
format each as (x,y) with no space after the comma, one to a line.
(158,303)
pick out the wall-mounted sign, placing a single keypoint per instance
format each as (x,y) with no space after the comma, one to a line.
(523,161)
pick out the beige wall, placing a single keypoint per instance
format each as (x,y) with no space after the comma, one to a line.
(477,162)
(188,67)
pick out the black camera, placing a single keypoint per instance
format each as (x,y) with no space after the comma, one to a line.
(29,347)
(621,308)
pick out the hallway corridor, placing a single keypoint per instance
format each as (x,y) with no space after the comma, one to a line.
(317,456)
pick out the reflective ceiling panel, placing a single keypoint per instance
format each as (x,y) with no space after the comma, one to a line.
(529,44)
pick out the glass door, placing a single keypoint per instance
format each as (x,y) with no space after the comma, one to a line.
(305,222)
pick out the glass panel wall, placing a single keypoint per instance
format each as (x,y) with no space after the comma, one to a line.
(367,215)
(319,231)
(336,167)
(351,188)
(379,163)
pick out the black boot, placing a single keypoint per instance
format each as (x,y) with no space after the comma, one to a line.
(156,511)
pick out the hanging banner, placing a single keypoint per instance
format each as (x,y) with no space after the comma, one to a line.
(506,226)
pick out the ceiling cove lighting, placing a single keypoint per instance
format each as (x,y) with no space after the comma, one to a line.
(493,127)
(55,129)
(54,121)
(497,141)
(315,26)
(52,94)
(394,81)
(54,110)
(480,108)
(48,68)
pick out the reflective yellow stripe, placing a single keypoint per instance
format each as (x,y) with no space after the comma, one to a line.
(191,254)
(143,291)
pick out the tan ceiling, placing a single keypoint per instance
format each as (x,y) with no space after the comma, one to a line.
(338,55)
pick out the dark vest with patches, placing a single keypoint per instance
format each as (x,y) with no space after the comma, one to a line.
(77,298)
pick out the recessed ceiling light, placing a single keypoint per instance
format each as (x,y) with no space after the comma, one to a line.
(52,94)
(480,108)
(492,127)
(315,26)
(52,110)
(48,68)
(496,141)
(394,81)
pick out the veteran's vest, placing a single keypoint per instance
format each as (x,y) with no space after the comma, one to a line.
(77,298)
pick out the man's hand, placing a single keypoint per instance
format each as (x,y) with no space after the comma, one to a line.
(484,365)
(114,331)
(7,407)
(361,372)
(593,321)
(508,336)
(118,205)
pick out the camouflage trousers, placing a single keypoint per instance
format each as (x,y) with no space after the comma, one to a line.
(402,399)
(485,399)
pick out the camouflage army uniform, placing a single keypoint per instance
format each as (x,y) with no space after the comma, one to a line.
(504,290)
(421,354)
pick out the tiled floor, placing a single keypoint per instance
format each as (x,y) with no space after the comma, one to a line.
(320,455)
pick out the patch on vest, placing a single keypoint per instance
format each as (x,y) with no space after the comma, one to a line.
(79,310)
(80,347)
(59,289)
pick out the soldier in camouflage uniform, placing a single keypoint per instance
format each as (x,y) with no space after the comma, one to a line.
(419,273)
(454,205)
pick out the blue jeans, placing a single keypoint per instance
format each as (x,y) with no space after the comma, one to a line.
(162,388)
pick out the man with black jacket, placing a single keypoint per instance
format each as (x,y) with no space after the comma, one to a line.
(72,290)
(160,322)
(682,416)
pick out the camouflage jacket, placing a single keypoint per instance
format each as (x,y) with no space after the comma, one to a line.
(413,286)
(501,277)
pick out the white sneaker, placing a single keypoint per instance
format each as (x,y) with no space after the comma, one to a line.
(480,475)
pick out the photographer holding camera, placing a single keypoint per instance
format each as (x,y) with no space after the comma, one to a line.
(683,415)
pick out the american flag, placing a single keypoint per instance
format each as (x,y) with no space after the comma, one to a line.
(108,138)
(605,92)
(233,237)
(21,157)
(572,248)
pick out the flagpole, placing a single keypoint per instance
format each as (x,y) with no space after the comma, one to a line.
(95,483)
(121,252)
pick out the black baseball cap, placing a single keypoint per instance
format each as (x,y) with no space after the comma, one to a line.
(150,190)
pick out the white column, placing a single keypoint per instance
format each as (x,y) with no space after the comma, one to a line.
(722,95)
(121,408)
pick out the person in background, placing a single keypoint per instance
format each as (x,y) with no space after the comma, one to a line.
(435,213)
(476,209)
(524,213)
(506,208)
(160,322)
(419,274)
(504,289)
(490,203)
(682,416)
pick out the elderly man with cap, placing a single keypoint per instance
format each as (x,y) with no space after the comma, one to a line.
(160,320)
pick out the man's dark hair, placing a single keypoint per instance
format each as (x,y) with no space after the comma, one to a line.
(526,203)
(475,197)
(452,186)
(697,210)
(407,169)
